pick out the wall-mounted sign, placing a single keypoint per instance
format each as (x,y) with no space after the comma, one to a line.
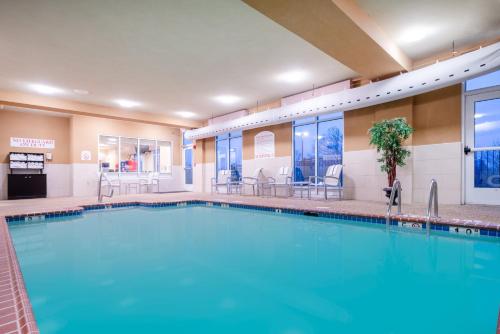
(32,142)
(85,155)
(264,145)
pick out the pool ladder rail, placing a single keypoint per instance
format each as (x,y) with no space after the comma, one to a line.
(432,204)
(396,189)
(100,195)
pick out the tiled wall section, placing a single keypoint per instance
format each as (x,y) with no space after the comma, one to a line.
(203,173)
(58,180)
(363,179)
(442,162)
(270,167)
(85,177)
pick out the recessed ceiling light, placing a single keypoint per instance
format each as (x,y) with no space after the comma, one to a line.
(294,76)
(127,103)
(415,34)
(227,99)
(185,114)
(81,91)
(44,89)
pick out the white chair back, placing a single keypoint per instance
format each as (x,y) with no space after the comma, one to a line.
(332,176)
(283,175)
(257,173)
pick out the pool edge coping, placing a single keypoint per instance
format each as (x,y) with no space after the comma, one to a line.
(22,320)
(436,223)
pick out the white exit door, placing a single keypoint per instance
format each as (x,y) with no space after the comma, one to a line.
(482,148)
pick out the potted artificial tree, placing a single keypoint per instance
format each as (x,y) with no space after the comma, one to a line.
(388,137)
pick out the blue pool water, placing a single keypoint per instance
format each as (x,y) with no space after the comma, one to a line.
(214,270)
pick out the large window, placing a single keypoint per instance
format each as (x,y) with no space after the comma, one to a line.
(229,156)
(484,81)
(132,155)
(108,154)
(187,149)
(317,144)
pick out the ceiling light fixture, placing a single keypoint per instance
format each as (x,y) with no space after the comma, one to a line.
(81,91)
(127,103)
(44,89)
(415,34)
(185,114)
(227,99)
(292,77)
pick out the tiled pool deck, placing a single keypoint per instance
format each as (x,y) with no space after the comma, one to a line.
(16,315)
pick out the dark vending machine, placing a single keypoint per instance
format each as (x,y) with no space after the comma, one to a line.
(23,182)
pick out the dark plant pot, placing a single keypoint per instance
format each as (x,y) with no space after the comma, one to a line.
(388,195)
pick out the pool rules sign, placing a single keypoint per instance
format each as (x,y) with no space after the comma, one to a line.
(32,142)
(264,145)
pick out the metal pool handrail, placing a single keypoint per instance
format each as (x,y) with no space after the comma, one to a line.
(396,188)
(432,204)
(100,195)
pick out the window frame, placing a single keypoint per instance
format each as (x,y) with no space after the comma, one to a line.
(138,172)
(227,136)
(316,120)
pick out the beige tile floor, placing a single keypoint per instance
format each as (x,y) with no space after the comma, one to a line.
(485,213)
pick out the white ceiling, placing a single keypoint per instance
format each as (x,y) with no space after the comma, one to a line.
(465,21)
(170,55)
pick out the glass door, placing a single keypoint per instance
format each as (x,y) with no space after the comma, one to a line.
(187,163)
(188,166)
(482,148)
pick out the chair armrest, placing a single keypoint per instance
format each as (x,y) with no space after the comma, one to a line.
(246,179)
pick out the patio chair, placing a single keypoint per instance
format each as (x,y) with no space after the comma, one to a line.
(282,180)
(223,179)
(331,180)
(254,181)
(150,182)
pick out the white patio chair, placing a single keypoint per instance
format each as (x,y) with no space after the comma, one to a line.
(223,179)
(283,179)
(152,180)
(331,180)
(255,182)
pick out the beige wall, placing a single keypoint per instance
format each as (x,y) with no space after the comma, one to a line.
(435,116)
(357,122)
(282,140)
(85,131)
(205,151)
(31,125)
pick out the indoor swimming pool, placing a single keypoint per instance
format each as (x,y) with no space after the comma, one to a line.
(203,269)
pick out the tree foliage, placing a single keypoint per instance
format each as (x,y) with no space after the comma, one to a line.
(388,137)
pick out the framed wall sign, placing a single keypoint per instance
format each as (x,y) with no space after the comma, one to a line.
(32,142)
(264,145)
